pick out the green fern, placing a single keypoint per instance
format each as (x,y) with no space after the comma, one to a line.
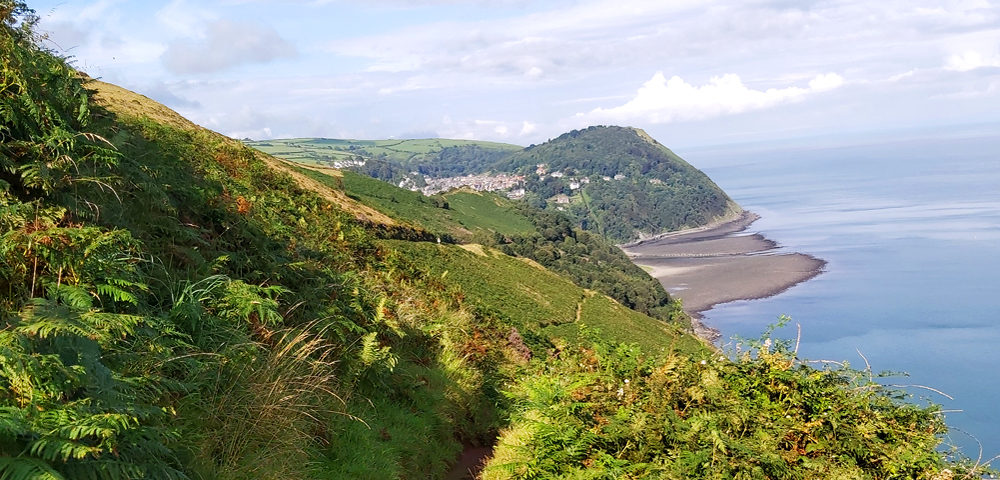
(21,468)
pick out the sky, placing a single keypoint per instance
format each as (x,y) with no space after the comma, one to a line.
(689,72)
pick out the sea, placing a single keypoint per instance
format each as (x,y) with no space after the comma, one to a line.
(909,223)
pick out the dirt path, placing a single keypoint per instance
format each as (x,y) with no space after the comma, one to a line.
(470,463)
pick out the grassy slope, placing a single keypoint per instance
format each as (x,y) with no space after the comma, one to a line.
(468,212)
(537,300)
(408,396)
(522,291)
(540,298)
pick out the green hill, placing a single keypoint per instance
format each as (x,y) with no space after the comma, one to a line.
(175,305)
(627,185)
(616,181)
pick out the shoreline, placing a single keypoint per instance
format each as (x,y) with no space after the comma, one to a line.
(739,220)
(720,263)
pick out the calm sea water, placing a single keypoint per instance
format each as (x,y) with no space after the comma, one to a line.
(911,231)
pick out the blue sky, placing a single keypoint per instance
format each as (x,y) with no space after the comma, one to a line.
(689,72)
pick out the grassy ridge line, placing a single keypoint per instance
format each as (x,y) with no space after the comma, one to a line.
(136,105)
(321,150)
(458,214)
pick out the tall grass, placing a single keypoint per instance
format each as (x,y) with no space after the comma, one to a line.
(261,414)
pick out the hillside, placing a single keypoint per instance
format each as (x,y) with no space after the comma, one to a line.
(175,305)
(466,216)
(619,182)
(400,162)
(615,181)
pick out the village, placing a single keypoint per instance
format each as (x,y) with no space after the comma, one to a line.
(513,185)
(480,183)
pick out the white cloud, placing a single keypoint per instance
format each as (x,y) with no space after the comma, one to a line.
(824,82)
(531,66)
(534,45)
(971,60)
(901,76)
(226,44)
(185,19)
(98,10)
(661,101)
(486,129)
(527,128)
(408,85)
(93,35)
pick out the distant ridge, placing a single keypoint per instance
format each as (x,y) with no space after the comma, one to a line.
(617,181)
(628,185)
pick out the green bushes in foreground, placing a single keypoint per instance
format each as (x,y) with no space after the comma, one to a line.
(605,411)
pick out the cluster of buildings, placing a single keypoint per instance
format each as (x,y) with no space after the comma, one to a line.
(491,183)
(351,162)
(542,170)
(512,184)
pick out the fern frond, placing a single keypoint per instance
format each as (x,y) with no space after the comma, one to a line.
(115,293)
(43,319)
(27,468)
(57,449)
(114,324)
(74,296)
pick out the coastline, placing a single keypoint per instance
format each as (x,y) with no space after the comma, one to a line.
(719,263)
(738,219)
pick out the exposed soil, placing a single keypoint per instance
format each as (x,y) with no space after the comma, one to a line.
(470,463)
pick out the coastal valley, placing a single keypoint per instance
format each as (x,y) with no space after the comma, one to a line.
(178,305)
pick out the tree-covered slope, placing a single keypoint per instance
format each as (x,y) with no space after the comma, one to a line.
(627,184)
(174,305)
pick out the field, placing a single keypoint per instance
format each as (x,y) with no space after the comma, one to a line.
(323,151)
